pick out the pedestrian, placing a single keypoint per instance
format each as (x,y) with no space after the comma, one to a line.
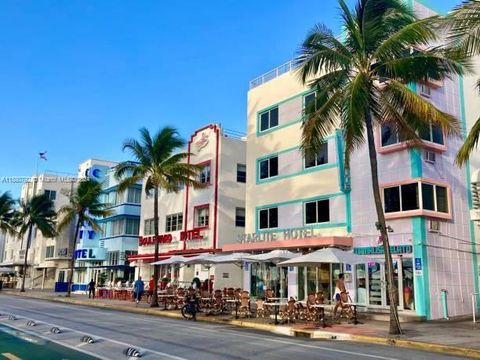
(196,283)
(91,289)
(138,289)
(151,288)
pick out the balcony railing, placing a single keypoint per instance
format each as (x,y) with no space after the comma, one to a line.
(272,74)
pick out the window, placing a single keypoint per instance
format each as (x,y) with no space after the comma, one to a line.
(425,90)
(269,167)
(174,222)
(51,194)
(132,226)
(309,102)
(205,174)
(240,217)
(389,135)
(134,195)
(113,257)
(268,218)
(312,159)
(317,212)
(407,197)
(442,199)
(241,173)
(433,133)
(201,216)
(117,227)
(49,251)
(401,198)
(148,228)
(269,119)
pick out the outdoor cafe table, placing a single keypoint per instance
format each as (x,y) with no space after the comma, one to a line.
(236,301)
(277,308)
(166,297)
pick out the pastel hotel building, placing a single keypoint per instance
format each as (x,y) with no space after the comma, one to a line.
(196,221)
(302,204)
(102,256)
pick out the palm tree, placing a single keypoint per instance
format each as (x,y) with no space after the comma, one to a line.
(85,208)
(7,212)
(465,33)
(39,212)
(363,82)
(163,166)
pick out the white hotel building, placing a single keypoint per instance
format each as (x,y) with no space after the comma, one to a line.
(203,220)
(305,204)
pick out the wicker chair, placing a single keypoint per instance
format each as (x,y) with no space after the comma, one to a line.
(344,311)
(244,308)
(269,294)
(289,314)
(261,311)
(218,305)
(180,298)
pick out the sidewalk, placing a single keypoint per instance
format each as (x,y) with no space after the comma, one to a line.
(452,337)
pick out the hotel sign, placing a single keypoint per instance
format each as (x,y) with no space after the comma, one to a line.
(268,236)
(150,240)
(379,250)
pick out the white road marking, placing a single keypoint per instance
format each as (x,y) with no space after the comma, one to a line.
(169,356)
(231,332)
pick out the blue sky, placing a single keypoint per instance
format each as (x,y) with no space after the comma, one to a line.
(78,77)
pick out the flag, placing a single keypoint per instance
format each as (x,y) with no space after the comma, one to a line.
(43,155)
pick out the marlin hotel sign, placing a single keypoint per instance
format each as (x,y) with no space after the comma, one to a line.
(268,236)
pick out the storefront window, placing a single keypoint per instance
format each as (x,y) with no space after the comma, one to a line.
(324,284)
(301,283)
(407,276)
(268,276)
(311,280)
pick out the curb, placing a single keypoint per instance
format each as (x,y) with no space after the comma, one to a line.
(325,335)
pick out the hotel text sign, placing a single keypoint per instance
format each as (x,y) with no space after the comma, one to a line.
(399,249)
(268,236)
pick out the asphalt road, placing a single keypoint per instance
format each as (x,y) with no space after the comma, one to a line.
(163,338)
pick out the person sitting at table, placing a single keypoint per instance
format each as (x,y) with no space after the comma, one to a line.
(341,294)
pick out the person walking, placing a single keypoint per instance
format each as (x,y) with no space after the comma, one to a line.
(151,287)
(138,289)
(91,289)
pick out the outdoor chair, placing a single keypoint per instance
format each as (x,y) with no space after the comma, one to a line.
(244,307)
(313,314)
(320,298)
(218,305)
(180,298)
(230,293)
(345,310)
(261,311)
(289,313)
(302,311)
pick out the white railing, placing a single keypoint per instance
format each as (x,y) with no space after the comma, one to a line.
(272,74)
(474,306)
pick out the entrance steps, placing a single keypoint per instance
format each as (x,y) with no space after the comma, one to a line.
(384,315)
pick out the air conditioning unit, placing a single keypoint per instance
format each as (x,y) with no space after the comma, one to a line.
(429,156)
(434,226)
(475,215)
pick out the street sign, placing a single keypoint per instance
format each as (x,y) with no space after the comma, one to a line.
(418,267)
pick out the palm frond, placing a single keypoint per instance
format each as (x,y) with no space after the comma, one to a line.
(470,144)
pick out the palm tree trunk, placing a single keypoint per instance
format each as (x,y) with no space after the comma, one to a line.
(29,238)
(72,260)
(391,286)
(154,301)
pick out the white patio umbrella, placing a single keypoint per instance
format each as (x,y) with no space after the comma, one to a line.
(176,259)
(328,255)
(201,259)
(230,258)
(274,256)
(4,270)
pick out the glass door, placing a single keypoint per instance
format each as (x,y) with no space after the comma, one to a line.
(376,291)
(407,276)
